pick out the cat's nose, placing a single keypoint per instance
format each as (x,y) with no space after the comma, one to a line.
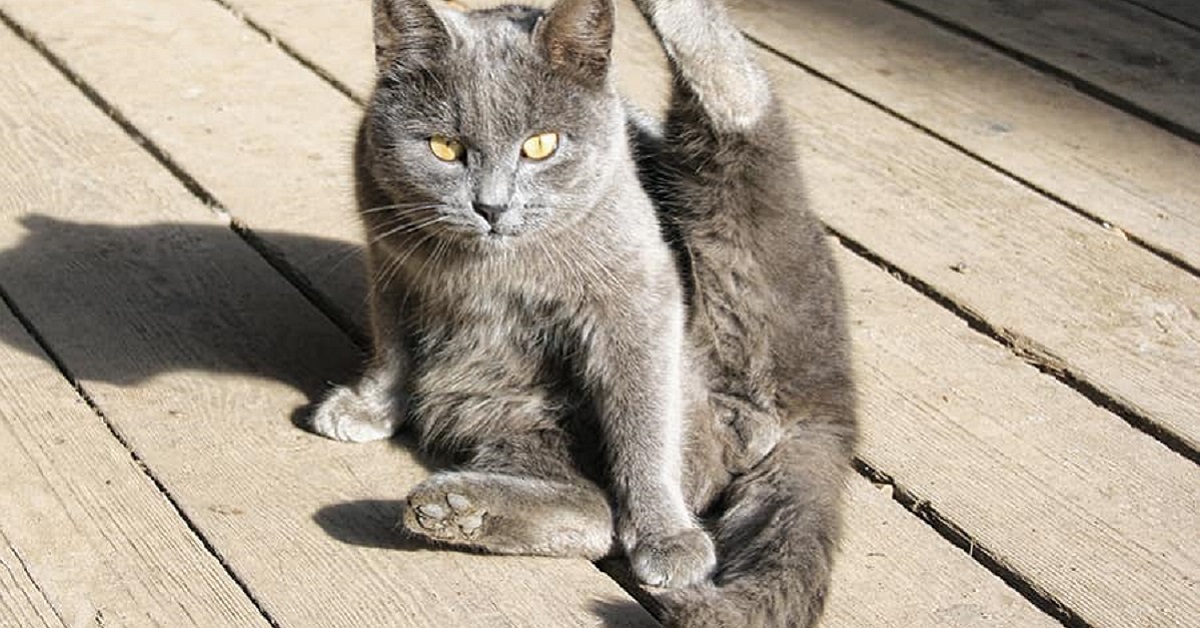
(490,213)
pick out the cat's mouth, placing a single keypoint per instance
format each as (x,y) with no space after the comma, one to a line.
(514,223)
(482,236)
(498,239)
(502,232)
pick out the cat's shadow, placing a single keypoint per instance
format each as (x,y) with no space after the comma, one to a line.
(373,523)
(124,304)
(370,523)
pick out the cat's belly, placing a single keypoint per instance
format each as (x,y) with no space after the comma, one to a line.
(460,420)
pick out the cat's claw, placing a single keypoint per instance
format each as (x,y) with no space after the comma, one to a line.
(442,516)
(346,415)
(677,560)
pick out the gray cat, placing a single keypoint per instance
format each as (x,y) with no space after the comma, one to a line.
(614,328)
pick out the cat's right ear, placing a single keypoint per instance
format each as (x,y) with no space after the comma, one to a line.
(576,37)
(408,34)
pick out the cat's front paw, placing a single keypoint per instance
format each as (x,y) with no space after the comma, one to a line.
(348,416)
(677,560)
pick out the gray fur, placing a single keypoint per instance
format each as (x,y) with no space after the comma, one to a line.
(652,329)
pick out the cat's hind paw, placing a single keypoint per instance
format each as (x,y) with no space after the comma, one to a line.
(346,415)
(677,560)
(443,516)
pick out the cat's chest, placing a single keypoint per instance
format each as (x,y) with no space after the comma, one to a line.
(488,341)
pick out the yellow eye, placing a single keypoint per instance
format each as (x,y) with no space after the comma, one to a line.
(540,146)
(445,148)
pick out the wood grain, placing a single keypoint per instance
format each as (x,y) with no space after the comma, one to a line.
(1074,296)
(102,542)
(22,603)
(1110,164)
(198,351)
(1116,46)
(1096,515)
(1187,11)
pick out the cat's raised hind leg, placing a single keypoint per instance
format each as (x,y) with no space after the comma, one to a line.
(509,514)
(715,171)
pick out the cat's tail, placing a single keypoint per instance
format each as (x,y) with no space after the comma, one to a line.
(775,538)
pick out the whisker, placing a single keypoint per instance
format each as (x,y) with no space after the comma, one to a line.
(393,226)
(342,259)
(406,228)
(394,269)
(440,245)
(406,207)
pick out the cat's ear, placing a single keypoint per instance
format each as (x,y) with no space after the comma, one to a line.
(408,34)
(576,37)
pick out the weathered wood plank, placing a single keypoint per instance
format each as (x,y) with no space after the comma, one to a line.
(1095,514)
(22,603)
(893,570)
(1079,298)
(101,541)
(1110,164)
(198,351)
(238,102)
(336,51)
(1128,52)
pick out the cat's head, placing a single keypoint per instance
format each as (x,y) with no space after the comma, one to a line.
(490,125)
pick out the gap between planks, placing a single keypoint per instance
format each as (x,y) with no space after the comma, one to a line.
(1027,350)
(297,279)
(994,165)
(290,51)
(71,380)
(1075,79)
(980,553)
(1171,10)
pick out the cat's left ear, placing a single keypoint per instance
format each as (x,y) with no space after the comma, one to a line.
(576,37)
(408,34)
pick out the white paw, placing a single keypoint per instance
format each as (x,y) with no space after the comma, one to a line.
(677,560)
(347,416)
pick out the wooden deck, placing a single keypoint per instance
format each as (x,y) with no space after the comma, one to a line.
(1013,190)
